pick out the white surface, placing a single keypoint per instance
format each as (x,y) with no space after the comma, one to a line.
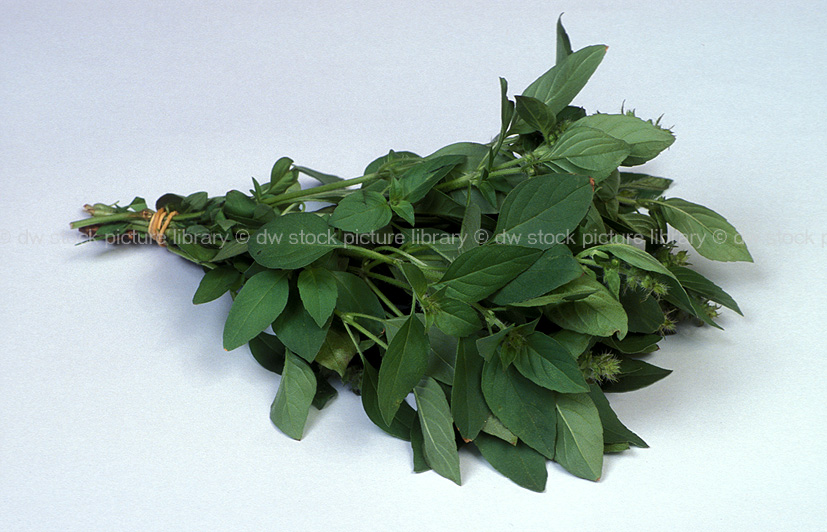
(120,411)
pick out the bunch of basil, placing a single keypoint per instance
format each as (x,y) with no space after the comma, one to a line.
(508,286)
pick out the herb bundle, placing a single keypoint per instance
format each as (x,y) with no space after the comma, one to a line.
(508,286)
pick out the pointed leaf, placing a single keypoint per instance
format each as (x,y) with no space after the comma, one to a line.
(579,436)
(554,268)
(613,430)
(258,303)
(215,284)
(296,392)
(587,151)
(634,375)
(468,405)
(645,139)
(520,463)
(548,364)
(318,291)
(599,314)
(437,429)
(560,84)
(405,417)
(361,212)
(523,407)
(297,330)
(481,271)
(402,367)
(292,241)
(542,211)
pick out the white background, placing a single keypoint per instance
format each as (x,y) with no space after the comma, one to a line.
(120,411)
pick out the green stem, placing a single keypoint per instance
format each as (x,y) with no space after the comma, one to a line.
(404,254)
(346,318)
(322,189)
(356,251)
(381,295)
(490,317)
(383,278)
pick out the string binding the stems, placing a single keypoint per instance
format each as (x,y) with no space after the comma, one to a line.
(158,224)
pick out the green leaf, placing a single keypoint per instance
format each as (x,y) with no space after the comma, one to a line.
(470,229)
(557,297)
(402,367)
(258,303)
(579,436)
(415,278)
(230,249)
(563,42)
(495,427)
(488,345)
(297,330)
(548,364)
(536,114)
(560,84)
(292,241)
(392,156)
(642,185)
(355,296)
(587,151)
(437,429)
(405,210)
(645,139)
(324,393)
(421,178)
(541,212)
(613,430)
(697,283)
(443,349)
(554,268)
(238,205)
(318,291)
(520,463)
(453,316)
(336,351)
(468,406)
(575,343)
(405,417)
(268,352)
(598,314)
(481,271)
(634,343)
(524,408)
(420,462)
(643,311)
(280,176)
(215,284)
(296,391)
(324,179)
(707,231)
(634,375)
(361,212)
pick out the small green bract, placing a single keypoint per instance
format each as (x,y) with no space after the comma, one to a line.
(486,295)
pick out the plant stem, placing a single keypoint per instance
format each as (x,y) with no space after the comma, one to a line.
(381,295)
(322,189)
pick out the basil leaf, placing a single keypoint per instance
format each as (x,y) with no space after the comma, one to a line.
(420,462)
(587,151)
(292,241)
(579,446)
(268,352)
(318,291)
(421,178)
(361,212)
(541,212)
(296,391)
(536,114)
(548,364)
(598,314)
(561,83)
(402,367)
(454,317)
(563,42)
(634,343)
(643,311)
(443,348)
(613,430)
(694,281)
(230,249)
(645,139)
(468,406)
(336,351)
(324,179)
(439,443)
(324,393)
(634,375)
(481,271)
(520,463)
(707,231)
(258,303)
(523,407)
(297,330)
(280,176)
(554,268)
(415,278)
(405,416)
(495,427)
(215,284)
(470,229)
